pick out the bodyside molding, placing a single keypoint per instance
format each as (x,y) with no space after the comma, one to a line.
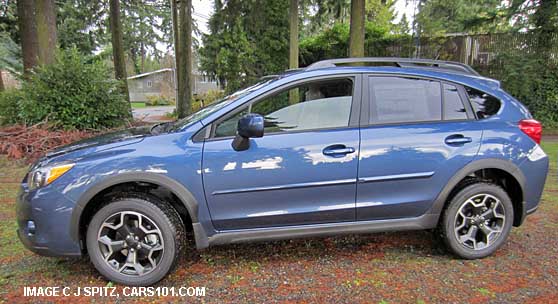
(178,189)
(287,186)
(395,177)
(426,221)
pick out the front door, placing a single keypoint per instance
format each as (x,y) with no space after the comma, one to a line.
(302,171)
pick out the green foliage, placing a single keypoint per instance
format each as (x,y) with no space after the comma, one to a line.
(248,39)
(534,82)
(10,54)
(10,101)
(334,43)
(158,100)
(81,24)
(73,93)
(437,17)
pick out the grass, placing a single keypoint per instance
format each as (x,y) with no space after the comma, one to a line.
(138,105)
(407,267)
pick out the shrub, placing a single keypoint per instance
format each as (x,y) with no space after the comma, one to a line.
(74,93)
(10,101)
(158,100)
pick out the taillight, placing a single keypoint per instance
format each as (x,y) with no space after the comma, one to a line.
(532,128)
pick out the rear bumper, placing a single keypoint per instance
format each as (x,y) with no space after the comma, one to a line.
(49,211)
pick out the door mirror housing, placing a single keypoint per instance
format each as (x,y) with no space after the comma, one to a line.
(249,126)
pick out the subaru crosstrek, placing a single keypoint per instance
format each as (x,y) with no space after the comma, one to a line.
(337,147)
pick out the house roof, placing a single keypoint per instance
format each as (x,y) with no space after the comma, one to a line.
(150,73)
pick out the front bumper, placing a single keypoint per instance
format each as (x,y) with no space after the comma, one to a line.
(50,211)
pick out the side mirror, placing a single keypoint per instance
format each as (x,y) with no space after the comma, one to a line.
(249,126)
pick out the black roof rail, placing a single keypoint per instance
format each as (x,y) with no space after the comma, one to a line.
(450,66)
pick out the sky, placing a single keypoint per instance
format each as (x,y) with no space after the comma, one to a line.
(204,8)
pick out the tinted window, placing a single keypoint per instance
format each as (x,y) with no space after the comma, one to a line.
(483,104)
(316,105)
(453,105)
(396,99)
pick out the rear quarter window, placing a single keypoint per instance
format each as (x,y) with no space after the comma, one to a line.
(484,105)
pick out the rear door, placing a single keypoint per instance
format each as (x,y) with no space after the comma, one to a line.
(415,134)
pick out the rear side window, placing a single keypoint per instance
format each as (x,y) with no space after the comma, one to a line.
(453,105)
(483,104)
(402,100)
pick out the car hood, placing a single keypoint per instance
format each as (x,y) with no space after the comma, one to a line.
(126,136)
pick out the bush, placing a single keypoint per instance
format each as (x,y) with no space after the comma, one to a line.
(74,93)
(534,82)
(158,100)
(10,101)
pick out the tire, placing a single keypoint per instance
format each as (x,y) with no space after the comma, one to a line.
(465,212)
(137,255)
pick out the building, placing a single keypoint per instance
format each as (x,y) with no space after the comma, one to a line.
(160,83)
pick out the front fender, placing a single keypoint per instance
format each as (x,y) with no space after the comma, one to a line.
(185,196)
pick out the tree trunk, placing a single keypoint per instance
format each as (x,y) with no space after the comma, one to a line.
(174,14)
(293,45)
(293,35)
(28,34)
(2,88)
(183,104)
(45,16)
(356,42)
(117,48)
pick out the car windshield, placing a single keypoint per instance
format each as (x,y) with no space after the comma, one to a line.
(212,108)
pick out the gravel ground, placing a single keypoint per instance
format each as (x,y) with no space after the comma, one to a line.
(406,267)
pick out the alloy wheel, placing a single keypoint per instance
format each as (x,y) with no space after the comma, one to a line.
(479,221)
(131,243)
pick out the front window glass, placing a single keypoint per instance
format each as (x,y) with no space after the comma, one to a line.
(212,108)
(314,105)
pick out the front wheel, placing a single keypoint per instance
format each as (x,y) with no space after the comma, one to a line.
(477,221)
(135,241)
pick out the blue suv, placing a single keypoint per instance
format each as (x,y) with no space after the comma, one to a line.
(342,146)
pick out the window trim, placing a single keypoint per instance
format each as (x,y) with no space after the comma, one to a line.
(354,116)
(367,100)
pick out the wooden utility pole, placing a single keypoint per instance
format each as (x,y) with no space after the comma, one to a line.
(356,42)
(184,58)
(117,47)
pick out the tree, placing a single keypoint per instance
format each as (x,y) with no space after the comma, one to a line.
(184,58)
(437,17)
(402,28)
(28,34)
(546,26)
(117,48)
(293,34)
(45,21)
(82,24)
(356,41)
(247,40)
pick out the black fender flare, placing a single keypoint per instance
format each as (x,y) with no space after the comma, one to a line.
(475,165)
(185,196)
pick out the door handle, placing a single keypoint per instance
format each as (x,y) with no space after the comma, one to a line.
(338,150)
(458,139)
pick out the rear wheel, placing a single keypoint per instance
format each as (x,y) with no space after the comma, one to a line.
(135,241)
(477,221)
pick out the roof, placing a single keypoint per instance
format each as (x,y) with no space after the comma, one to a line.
(151,73)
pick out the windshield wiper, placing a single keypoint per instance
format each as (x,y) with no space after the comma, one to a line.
(161,127)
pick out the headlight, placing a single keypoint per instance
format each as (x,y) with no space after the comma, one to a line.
(41,177)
